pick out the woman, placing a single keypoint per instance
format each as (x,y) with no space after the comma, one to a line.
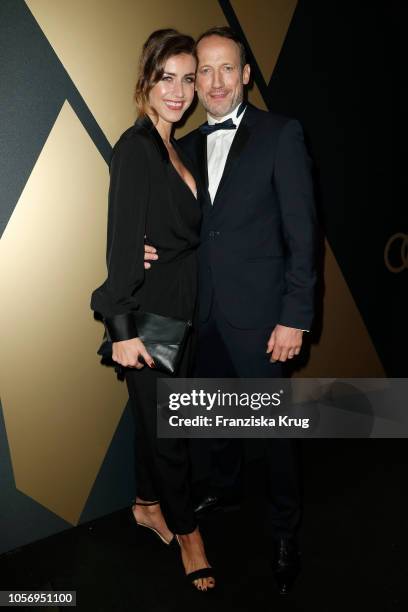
(153,195)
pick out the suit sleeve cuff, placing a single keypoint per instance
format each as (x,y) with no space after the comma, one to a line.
(121,327)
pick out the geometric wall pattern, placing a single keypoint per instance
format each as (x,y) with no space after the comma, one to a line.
(50,376)
(67,437)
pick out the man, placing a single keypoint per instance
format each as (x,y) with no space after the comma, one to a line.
(257,272)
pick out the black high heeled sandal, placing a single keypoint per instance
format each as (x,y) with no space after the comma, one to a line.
(139,524)
(204,572)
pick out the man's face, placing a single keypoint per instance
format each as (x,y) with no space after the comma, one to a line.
(220,79)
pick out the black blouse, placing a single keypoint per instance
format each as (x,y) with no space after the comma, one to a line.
(148,198)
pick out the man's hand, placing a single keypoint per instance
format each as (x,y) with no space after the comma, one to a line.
(127,353)
(149,255)
(284,343)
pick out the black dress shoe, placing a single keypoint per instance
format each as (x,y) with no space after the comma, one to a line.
(207,504)
(286,563)
(212,503)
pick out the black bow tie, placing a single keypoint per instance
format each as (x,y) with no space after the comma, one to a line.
(228,124)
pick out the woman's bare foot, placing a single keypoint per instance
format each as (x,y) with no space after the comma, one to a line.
(151,516)
(194,558)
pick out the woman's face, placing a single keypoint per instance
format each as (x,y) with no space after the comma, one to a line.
(174,93)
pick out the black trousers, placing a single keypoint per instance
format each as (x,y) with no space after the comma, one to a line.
(224,352)
(162,465)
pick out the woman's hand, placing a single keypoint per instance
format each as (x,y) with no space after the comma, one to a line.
(150,254)
(127,353)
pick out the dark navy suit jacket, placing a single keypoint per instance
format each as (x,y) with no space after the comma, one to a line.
(257,253)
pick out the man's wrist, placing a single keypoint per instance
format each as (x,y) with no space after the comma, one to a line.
(293,327)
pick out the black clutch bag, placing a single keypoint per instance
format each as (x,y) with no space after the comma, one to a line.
(163,337)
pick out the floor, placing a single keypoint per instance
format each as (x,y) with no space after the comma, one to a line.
(354,541)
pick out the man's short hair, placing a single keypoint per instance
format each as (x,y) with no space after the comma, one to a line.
(226,32)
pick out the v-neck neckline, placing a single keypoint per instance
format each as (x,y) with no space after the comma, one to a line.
(148,123)
(195,195)
(177,149)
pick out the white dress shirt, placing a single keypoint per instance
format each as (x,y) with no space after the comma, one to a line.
(218,146)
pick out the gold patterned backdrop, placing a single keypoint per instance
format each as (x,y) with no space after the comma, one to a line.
(62,413)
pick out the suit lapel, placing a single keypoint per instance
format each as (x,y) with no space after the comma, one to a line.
(203,166)
(238,145)
(202,159)
(234,154)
